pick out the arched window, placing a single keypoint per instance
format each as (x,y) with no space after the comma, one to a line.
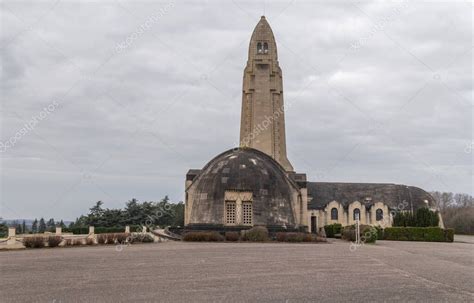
(259,48)
(379,215)
(334,213)
(356,214)
(265,47)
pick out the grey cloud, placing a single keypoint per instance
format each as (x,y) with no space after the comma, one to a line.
(170,101)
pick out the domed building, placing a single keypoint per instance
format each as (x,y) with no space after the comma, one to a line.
(255,184)
(243,187)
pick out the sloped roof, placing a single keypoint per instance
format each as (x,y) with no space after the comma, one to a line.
(393,195)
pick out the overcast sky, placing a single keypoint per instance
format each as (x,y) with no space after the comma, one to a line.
(121,98)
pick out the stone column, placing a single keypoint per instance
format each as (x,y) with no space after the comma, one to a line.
(127,229)
(144,229)
(91,230)
(11,236)
(59,231)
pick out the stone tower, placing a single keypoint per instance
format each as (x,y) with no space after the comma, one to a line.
(262,123)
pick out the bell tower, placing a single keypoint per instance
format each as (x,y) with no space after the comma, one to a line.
(262,124)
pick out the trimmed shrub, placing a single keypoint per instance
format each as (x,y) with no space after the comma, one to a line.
(380,232)
(332,229)
(295,237)
(449,234)
(255,234)
(147,239)
(110,238)
(101,239)
(77,242)
(90,241)
(203,236)
(121,238)
(434,234)
(423,217)
(232,236)
(429,234)
(348,233)
(54,241)
(281,237)
(33,242)
(367,233)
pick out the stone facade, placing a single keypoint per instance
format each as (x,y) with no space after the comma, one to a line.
(256,183)
(262,119)
(240,180)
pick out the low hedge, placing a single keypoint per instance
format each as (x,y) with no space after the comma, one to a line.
(203,236)
(367,233)
(54,241)
(232,236)
(295,237)
(427,234)
(34,242)
(332,229)
(255,234)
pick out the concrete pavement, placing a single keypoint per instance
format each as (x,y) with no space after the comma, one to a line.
(241,272)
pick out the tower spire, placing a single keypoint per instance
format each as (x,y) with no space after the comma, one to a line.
(262,121)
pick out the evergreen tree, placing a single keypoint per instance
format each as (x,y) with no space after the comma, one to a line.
(34,227)
(23,227)
(18,229)
(42,226)
(61,224)
(51,225)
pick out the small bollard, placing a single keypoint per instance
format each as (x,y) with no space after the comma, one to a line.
(127,229)
(11,236)
(59,231)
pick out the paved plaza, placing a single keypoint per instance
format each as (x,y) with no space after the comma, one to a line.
(241,272)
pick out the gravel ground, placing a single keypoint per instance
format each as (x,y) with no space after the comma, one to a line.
(241,272)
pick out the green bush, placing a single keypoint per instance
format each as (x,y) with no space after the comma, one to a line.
(255,234)
(434,234)
(203,236)
(423,217)
(110,238)
(449,234)
(54,241)
(332,229)
(101,239)
(428,234)
(232,236)
(147,239)
(295,237)
(121,237)
(281,236)
(380,232)
(367,233)
(34,242)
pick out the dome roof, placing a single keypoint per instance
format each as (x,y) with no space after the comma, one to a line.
(244,170)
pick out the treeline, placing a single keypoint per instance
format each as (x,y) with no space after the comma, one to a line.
(457,211)
(40,226)
(162,213)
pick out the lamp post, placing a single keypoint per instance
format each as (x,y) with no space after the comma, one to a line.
(357,229)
